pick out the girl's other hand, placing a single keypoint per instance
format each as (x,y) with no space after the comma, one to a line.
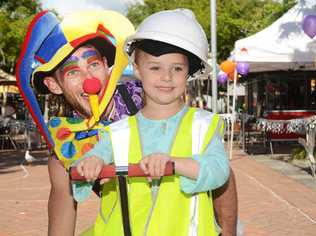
(90,168)
(154,164)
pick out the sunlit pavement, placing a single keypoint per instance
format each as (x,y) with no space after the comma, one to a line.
(24,190)
(270,202)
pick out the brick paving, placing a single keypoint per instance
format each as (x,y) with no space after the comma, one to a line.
(270,203)
(24,194)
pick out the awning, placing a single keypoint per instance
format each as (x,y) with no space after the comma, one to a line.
(281,46)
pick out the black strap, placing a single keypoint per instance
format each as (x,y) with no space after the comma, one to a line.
(124,205)
(131,106)
(96,188)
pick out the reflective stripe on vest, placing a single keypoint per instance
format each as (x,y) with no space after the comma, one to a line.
(192,215)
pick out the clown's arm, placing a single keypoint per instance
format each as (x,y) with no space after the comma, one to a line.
(226,207)
(62,208)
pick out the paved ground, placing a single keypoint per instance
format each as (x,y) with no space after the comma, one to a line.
(24,190)
(271,203)
(275,198)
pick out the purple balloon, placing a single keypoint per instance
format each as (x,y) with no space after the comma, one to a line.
(309,25)
(222,77)
(242,68)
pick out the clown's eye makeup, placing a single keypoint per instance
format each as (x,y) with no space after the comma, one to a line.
(70,70)
(89,53)
(70,67)
(94,63)
(78,66)
(72,60)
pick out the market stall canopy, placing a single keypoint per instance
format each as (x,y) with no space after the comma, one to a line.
(7,83)
(281,46)
(4,76)
(9,89)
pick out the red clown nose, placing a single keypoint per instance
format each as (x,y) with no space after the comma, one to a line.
(91,86)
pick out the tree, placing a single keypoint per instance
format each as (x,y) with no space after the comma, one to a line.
(15,16)
(236,19)
(240,18)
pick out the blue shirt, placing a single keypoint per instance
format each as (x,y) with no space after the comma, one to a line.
(157,137)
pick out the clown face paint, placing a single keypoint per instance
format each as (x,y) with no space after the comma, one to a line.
(84,63)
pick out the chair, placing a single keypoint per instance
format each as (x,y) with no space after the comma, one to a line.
(6,141)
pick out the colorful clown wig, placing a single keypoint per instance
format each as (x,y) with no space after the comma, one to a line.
(49,42)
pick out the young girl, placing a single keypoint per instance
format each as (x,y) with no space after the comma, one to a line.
(167,49)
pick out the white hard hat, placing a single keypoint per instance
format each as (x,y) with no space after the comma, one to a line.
(176,27)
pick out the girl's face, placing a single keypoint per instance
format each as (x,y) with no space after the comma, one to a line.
(163,78)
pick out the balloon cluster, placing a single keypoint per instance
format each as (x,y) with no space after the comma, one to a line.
(309,25)
(228,68)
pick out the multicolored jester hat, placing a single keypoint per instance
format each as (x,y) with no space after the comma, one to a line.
(49,42)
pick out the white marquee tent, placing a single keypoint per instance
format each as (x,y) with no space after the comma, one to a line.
(281,46)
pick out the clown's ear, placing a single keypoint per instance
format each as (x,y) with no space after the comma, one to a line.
(52,85)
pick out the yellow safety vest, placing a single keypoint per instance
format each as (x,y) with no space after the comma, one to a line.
(173,212)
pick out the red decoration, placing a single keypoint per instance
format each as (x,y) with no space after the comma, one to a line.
(63,133)
(92,86)
(86,147)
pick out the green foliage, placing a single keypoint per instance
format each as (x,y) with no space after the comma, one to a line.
(137,13)
(30,6)
(15,16)
(241,18)
(298,153)
(236,19)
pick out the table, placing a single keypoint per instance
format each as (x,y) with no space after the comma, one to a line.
(305,125)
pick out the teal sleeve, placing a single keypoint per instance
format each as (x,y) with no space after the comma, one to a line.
(103,149)
(214,169)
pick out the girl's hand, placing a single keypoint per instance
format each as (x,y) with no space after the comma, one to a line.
(154,165)
(90,168)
